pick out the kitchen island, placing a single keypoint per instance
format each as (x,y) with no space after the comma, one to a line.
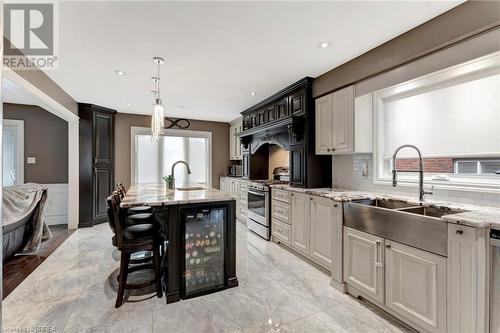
(199,226)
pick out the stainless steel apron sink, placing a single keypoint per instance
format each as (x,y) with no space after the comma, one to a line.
(416,226)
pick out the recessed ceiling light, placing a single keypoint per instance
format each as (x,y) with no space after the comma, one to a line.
(181,106)
(253,93)
(128,104)
(121,73)
(324,44)
(222,114)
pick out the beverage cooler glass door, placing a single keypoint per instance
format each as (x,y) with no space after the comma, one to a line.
(204,251)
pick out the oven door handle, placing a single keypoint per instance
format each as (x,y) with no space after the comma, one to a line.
(261,194)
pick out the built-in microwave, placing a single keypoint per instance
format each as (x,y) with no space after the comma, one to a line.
(235,170)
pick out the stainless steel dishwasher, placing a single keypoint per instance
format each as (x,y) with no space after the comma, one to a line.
(495,281)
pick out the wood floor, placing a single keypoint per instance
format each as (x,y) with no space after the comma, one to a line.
(18,268)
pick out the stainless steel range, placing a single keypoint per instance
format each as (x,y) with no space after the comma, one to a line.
(259,212)
(258,209)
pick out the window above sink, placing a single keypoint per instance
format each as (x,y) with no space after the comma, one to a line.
(453,116)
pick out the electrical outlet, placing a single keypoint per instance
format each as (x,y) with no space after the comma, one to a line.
(31,160)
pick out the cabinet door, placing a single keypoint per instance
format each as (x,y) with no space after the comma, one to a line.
(466,280)
(415,284)
(300,222)
(297,103)
(297,165)
(222,185)
(282,108)
(321,242)
(231,143)
(324,134)
(103,186)
(271,113)
(364,263)
(103,138)
(343,120)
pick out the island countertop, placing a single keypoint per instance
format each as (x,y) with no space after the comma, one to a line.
(157,195)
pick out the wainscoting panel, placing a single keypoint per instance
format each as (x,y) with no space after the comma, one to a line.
(56,207)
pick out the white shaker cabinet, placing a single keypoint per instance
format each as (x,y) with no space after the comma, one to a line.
(335,122)
(415,285)
(343,120)
(322,212)
(300,223)
(364,263)
(235,150)
(323,123)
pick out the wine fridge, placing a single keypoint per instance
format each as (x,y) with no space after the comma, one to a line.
(203,267)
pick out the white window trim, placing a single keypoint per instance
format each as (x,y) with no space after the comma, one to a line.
(20,147)
(170,132)
(461,73)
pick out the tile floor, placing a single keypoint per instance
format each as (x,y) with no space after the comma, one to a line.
(278,291)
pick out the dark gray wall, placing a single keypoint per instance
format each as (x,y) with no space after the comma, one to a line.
(46,138)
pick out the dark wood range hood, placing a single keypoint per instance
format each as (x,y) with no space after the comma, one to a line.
(287,120)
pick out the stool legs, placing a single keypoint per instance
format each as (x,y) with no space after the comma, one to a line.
(122,278)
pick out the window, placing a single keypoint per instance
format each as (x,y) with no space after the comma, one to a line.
(13,152)
(478,167)
(453,117)
(151,161)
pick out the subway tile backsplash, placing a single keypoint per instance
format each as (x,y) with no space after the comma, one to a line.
(355,172)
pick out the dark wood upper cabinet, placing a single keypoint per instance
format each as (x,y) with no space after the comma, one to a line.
(96,162)
(297,166)
(271,113)
(103,127)
(286,118)
(297,103)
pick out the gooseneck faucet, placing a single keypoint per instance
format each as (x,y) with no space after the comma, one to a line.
(420,171)
(173,167)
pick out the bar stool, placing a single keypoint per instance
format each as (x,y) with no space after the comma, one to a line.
(129,240)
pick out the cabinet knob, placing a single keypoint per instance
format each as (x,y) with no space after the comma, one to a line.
(328,149)
(333,149)
(388,246)
(292,194)
(459,232)
(335,205)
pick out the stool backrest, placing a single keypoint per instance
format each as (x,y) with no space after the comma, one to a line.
(122,191)
(114,220)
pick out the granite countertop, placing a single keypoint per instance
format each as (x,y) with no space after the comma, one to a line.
(157,195)
(470,215)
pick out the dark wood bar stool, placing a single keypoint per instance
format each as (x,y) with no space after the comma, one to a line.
(129,239)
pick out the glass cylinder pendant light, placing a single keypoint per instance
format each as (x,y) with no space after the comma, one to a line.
(158,117)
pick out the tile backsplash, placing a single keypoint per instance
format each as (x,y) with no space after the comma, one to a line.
(355,172)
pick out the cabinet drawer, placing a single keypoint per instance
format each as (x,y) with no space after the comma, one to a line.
(281,211)
(281,195)
(282,232)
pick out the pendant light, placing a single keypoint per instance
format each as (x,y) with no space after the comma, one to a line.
(158,116)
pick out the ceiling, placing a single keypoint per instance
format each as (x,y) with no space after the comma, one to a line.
(216,52)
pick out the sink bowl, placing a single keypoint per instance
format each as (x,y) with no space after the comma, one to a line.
(190,188)
(430,211)
(389,204)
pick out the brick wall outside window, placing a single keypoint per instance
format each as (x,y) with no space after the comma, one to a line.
(435,165)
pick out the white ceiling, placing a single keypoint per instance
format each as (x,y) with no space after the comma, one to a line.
(216,52)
